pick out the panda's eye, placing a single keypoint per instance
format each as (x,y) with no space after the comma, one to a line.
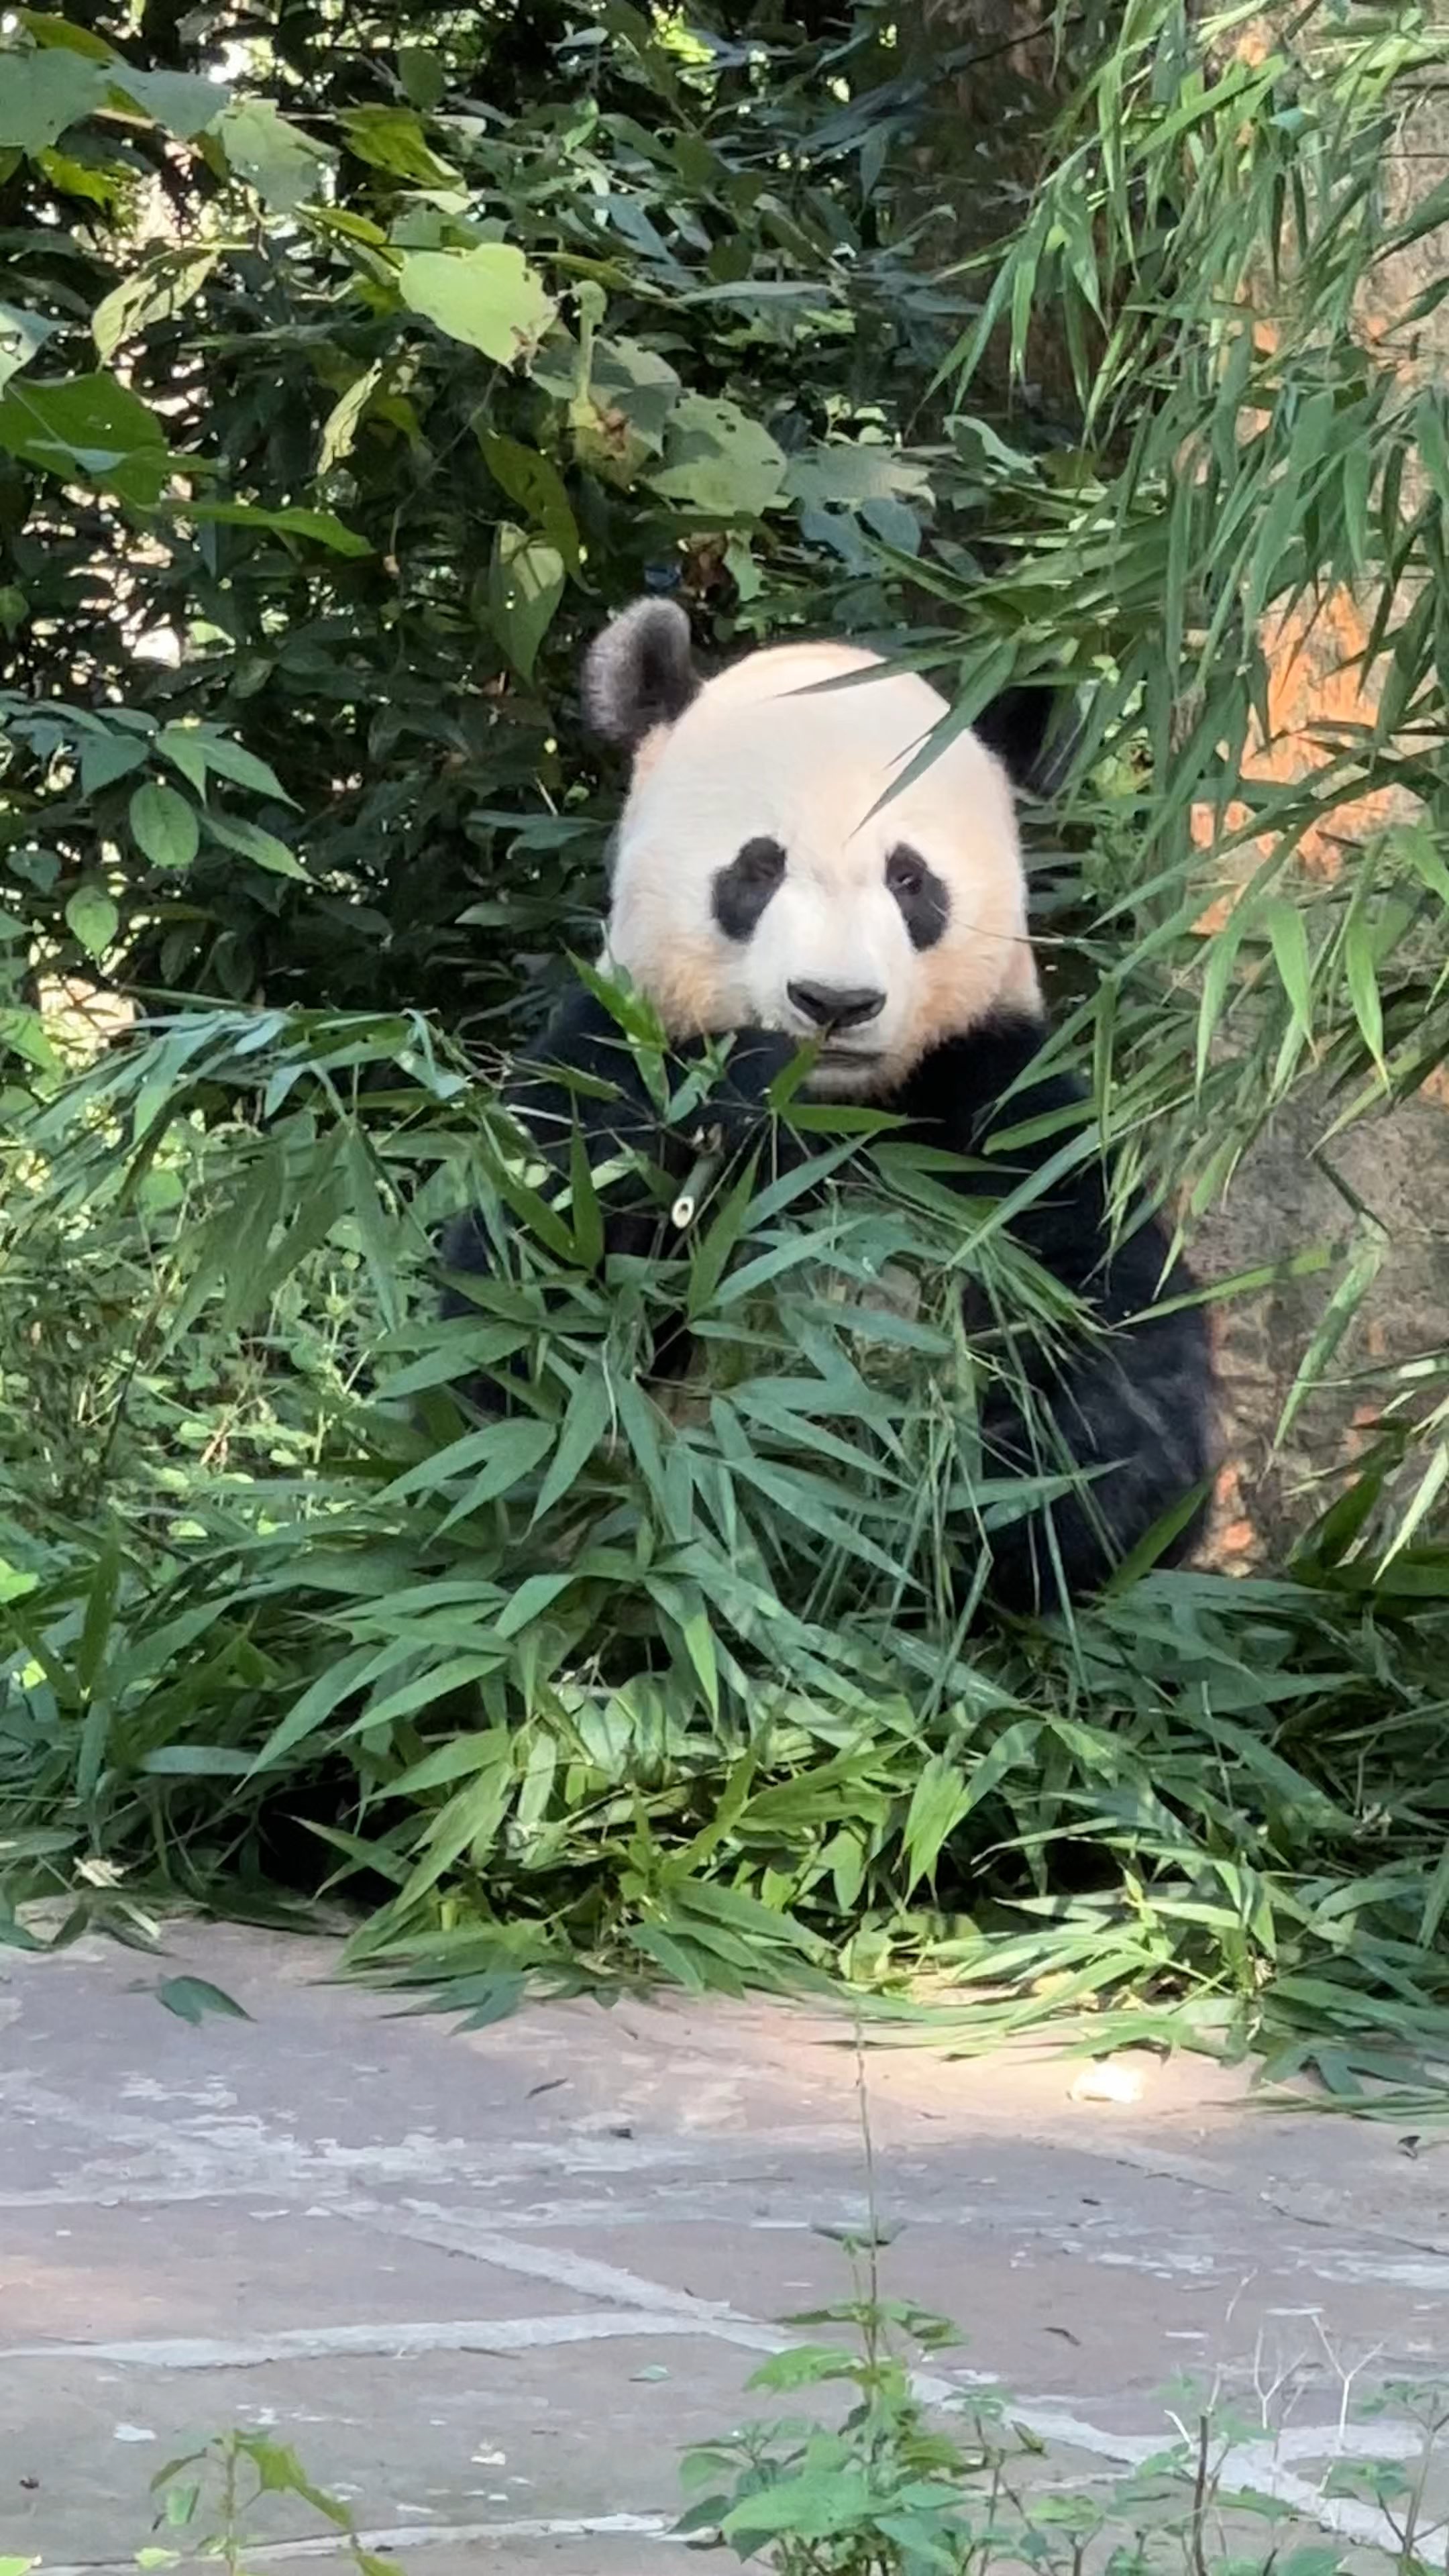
(906,872)
(924,901)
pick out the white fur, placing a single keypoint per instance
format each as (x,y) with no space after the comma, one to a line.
(752,756)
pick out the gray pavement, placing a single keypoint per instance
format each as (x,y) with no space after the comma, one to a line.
(489,2285)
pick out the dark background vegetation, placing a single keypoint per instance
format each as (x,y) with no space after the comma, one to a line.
(355,365)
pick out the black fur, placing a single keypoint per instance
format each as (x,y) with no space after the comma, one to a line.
(1134,1399)
(639,673)
(1017,726)
(924,901)
(584,1040)
(1132,1402)
(742,891)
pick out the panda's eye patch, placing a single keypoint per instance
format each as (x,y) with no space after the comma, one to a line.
(923,899)
(743,889)
(761,858)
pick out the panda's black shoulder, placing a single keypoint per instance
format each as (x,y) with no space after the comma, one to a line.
(980,1089)
(981,1077)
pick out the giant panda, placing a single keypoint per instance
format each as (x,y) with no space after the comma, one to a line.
(766,884)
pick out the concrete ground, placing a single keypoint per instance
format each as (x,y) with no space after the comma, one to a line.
(490,2285)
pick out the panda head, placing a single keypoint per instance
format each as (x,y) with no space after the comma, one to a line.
(764,875)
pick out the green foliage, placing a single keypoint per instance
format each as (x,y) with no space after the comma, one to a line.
(922,2476)
(603,1690)
(208,2504)
(396,399)
(350,372)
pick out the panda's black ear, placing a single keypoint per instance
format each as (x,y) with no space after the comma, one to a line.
(639,673)
(1022,727)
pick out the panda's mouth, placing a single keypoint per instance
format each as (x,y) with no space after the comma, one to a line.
(846,1073)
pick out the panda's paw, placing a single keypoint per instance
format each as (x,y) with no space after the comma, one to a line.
(734,1120)
(740,1098)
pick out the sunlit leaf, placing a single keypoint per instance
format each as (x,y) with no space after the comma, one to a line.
(272,155)
(488,297)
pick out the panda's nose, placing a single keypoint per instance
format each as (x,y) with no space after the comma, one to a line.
(837,1006)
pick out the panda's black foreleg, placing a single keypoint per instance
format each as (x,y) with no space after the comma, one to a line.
(610,1102)
(585,1081)
(1127,1401)
(588,1080)
(1129,1412)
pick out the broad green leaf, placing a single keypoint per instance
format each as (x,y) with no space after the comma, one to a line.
(86,429)
(618,422)
(814,2506)
(719,461)
(699,1645)
(340,428)
(1436,1901)
(198,749)
(535,483)
(251,842)
(488,297)
(45,28)
(153,294)
(424,1690)
(186,103)
(392,139)
(805,2365)
(108,756)
(41,93)
(1417,845)
(92,919)
(164,826)
(22,336)
(192,1998)
(525,585)
(893,523)
(196,1762)
(681,1961)
(469,1821)
(714,1248)
(322,527)
(742,568)
(422,75)
(285,167)
(845,474)
(23,1031)
(323,1697)
(455,1760)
